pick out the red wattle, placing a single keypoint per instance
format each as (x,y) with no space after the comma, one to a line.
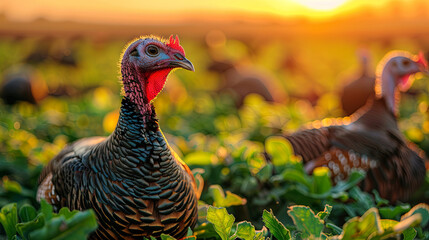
(405,82)
(155,83)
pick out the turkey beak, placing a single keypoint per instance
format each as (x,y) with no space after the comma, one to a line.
(423,63)
(182,62)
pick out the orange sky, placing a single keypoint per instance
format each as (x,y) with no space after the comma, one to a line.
(141,11)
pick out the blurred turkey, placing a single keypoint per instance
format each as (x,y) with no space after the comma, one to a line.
(22,83)
(241,82)
(54,50)
(370,139)
(360,87)
(132,179)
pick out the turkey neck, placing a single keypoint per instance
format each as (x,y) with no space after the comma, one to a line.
(135,90)
(378,116)
(137,145)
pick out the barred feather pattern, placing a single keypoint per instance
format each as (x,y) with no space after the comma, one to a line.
(372,143)
(133,181)
(309,150)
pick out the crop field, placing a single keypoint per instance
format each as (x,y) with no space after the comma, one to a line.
(222,139)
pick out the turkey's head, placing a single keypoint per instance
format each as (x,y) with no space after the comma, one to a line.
(145,64)
(395,73)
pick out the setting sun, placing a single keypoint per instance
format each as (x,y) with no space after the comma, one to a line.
(325,5)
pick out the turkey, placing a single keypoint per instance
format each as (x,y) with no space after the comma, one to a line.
(136,184)
(355,93)
(23,83)
(241,82)
(371,140)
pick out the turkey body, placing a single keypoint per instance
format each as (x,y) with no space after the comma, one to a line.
(132,179)
(355,94)
(372,143)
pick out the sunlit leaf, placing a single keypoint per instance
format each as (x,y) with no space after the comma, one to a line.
(221,220)
(200,158)
(322,180)
(422,209)
(279,149)
(306,222)
(9,219)
(11,186)
(220,200)
(245,231)
(325,213)
(362,227)
(275,226)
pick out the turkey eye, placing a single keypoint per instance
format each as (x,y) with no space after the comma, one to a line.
(134,53)
(152,50)
(405,63)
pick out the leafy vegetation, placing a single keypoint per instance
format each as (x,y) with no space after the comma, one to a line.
(45,224)
(246,195)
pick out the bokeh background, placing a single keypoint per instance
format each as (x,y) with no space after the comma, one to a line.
(262,68)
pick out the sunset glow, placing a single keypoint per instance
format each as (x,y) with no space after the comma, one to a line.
(148,12)
(325,5)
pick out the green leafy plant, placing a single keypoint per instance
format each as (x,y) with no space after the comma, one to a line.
(45,224)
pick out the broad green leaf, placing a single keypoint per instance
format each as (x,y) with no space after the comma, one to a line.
(27,213)
(166,237)
(255,159)
(24,229)
(77,227)
(362,227)
(260,234)
(354,178)
(408,222)
(409,234)
(245,231)
(364,199)
(201,158)
(293,175)
(280,150)
(322,180)
(11,186)
(220,200)
(392,212)
(387,225)
(380,201)
(265,173)
(393,228)
(205,230)
(325,213)
(66,212)
(9,219)
(336,230)
(310,225)
(46,209)
(421,208)
(221,220)
(276,227)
